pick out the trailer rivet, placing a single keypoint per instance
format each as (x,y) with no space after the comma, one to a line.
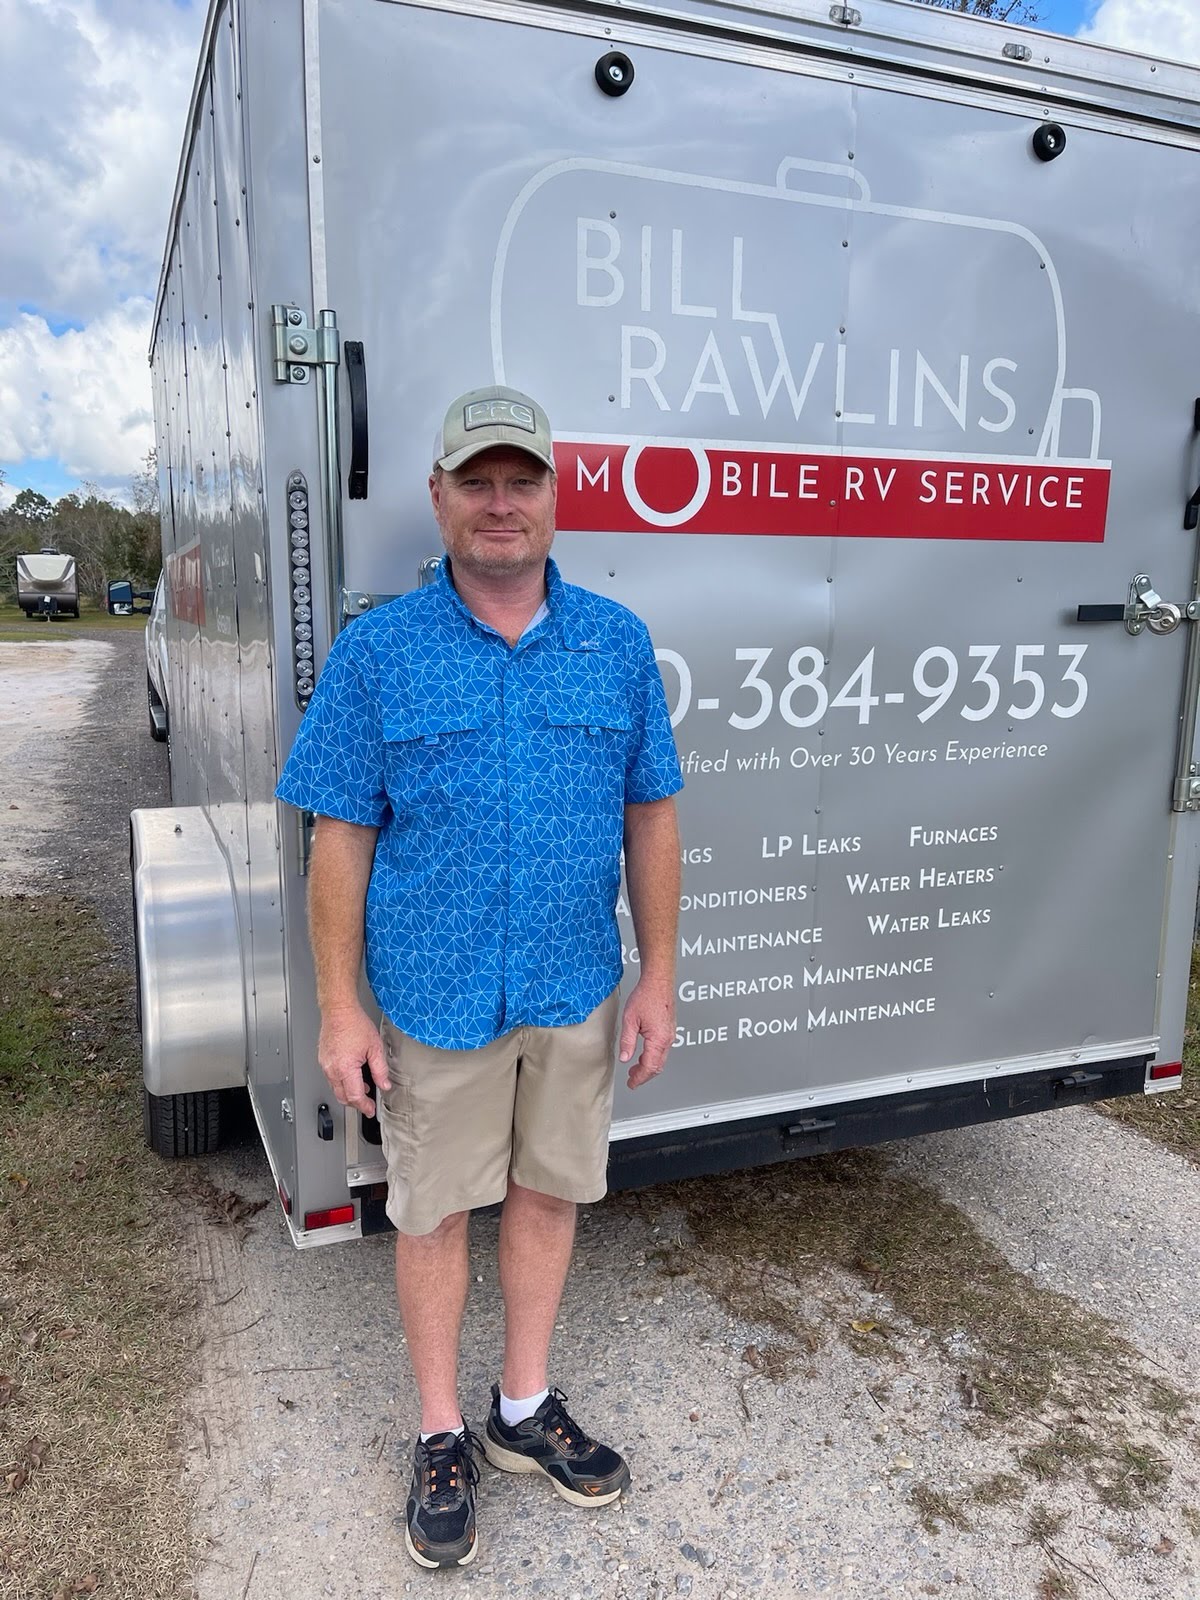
(364,603)
(297,344)
(297,374)
(295,316)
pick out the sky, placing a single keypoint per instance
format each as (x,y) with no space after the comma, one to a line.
(93,99)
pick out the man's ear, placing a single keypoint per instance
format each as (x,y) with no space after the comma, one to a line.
(435,491)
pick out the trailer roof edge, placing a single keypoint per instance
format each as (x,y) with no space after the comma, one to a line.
(1058,67)
(189,133)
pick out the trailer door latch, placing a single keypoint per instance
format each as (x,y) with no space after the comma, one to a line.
(1145,608)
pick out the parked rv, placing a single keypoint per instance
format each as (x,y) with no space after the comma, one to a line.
(873,393)
(47,584)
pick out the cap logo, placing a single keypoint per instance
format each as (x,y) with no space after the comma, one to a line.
(502,413)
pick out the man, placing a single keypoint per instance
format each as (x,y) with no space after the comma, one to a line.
(478,754)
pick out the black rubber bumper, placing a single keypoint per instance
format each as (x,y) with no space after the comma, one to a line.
(817,1130)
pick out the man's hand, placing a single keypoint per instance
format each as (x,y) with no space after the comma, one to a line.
(650,1012)
(348,1040)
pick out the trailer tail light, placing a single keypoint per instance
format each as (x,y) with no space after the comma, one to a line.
(285,1199)
(330,1218)
(1166,1069)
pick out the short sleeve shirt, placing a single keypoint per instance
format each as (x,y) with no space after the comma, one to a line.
(497,777)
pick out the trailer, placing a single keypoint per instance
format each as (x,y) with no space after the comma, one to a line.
(871,338)
(47,584)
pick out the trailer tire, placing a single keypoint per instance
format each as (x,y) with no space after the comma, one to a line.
(182,1124)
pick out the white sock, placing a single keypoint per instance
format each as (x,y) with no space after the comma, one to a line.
(514,1411)
(425,1437)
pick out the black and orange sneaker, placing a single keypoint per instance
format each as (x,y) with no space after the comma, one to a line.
(440,1516)
(552,1443)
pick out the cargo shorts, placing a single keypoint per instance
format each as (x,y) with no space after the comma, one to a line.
(534,1106)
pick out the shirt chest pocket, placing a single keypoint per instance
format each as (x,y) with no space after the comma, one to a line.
(587,738)
(432,758)
(593,715)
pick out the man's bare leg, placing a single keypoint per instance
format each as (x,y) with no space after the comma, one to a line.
(431,1287)
(537,1233)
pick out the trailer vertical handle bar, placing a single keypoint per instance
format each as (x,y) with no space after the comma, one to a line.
(331,487)
(1186,793)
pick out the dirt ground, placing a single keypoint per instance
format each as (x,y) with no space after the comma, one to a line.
(866,1465)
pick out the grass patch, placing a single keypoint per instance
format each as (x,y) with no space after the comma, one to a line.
(1054,1585)
(1171,1119)
(94,1301)
(935,1509)
(15,625)
(1071,1398)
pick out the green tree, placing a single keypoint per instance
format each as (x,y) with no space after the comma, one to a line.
(24,526)
(31,509)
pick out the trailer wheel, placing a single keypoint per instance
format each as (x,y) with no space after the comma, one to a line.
(182,1124)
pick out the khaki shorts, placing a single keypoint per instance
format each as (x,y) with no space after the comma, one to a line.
(535,1106)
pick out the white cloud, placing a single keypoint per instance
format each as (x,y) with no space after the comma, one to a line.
(93,97)
(1165,28)
(83,395)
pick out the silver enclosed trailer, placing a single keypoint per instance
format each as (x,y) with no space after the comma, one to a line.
(871,336)
(47,584)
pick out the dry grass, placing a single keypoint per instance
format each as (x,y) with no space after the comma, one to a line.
(1070,1397)
(1173,1118)
(94,1304)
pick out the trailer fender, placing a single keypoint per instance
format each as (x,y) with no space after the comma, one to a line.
(189,954)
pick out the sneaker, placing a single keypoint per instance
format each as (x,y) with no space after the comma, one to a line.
(552,1443)
(440,1527)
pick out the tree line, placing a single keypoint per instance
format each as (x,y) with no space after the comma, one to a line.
(107,540)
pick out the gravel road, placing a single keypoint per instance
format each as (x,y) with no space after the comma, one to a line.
(299,1430)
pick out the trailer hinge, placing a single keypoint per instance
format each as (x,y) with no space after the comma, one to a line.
(1145,608)
(299,346)
(846,15)
(355,602)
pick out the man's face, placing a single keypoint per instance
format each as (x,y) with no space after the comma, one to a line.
(496,513)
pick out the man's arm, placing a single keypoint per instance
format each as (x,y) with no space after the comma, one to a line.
(339,872)
(652,877)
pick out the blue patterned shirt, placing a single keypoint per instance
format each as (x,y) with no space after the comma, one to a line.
(497,778)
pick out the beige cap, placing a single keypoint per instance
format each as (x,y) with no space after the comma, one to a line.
(483,418)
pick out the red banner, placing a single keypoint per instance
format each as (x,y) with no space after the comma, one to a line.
(632,488)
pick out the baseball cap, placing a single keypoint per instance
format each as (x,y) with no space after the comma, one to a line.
(483,418)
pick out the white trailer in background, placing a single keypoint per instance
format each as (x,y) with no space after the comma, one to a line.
(47,584)
(871,337)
